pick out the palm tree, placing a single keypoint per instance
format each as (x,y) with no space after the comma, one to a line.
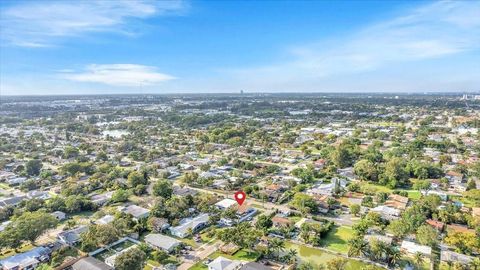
(277,245)
(418,259)
(358,247)
(305,233)
(293,255)
(394,255)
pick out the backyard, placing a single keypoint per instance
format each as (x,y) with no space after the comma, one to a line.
(337,239)
(318,257)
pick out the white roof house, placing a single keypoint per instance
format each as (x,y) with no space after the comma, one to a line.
(413,248)
(328,188)
(162,242)
(221,263)
(225,204)
(195,224)
(450,256)
(386,212)
(105,220)
(72,236)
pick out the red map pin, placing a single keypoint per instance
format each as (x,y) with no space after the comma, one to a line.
(240,197)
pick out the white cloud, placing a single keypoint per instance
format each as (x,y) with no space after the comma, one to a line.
(427,32)
(119,75)
(42,23)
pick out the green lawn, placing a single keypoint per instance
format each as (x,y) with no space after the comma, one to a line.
(318,257)
(10,252)
(412,194)
(425,265)
(198,266)
(83,215)
(337,239)
(188,241)
(205,237)
(4,186)
(375,188)
(242,255)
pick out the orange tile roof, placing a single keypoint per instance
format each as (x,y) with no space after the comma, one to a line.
(435,223)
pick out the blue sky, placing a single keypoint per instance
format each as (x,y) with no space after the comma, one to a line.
(102,47)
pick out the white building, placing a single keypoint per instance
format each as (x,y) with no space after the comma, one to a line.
(413,248)
(188,225)
(225,204)
(162,242)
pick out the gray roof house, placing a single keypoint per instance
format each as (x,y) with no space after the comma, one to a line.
(255,266)
(162,242)
(90,263)
(26,260)
(135,210)
(71,237)
(37,194)
(100,199)
(11,201)
(195,224)
(59,215)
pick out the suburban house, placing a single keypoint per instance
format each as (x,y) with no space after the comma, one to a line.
(397,202)
(328,188)
(387,212)
(347,173)
(136,211)
(436,224)
(255,266)
(412,248)
(163,242)
(27,260)
(90,263)
(101,199)
(281,222)
(440,194)
(105,220)
(450,256)
(244,212)
(222,263)
(71,237)
(274,191)
(190,225)
(159,224)
(225,204)
(11,201)
(59,215)
(454,177)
